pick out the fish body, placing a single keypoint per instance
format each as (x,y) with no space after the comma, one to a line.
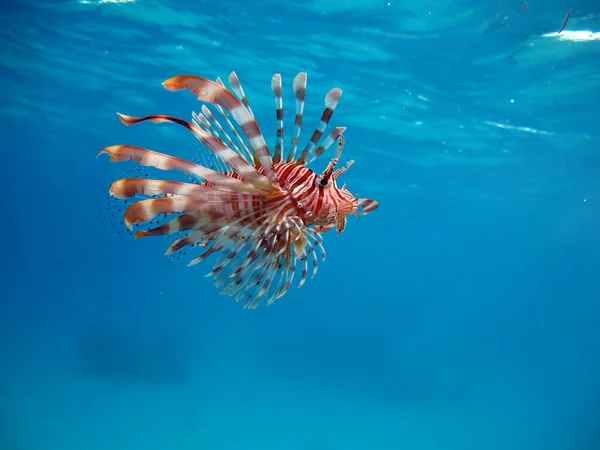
(262,212)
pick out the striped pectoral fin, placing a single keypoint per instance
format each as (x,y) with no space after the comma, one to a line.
(208,204)
(146,210)
(300,252)
(195,236)
(149,158)
(212,92)
(309,251)
(130,187)
(182,223)
(367,205)
(213,249)
(231,158)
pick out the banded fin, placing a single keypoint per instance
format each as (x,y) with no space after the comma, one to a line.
(300,90)
(210,121)
(314,242)
(367,205)
(234,81)
(328,142)
(110,210)
(203,122)
(130,187)
(149,158)
(255,263)
(241,148)
(277,88)
(196,236)
(178,224)
(212,92)
(262,268)
(331,101)
(204,228)
(208,203)
(229,157)
(211,250)
(206,158)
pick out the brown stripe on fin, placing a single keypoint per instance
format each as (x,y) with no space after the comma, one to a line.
(212,92)
(367,205)
(208,228)
(277,89)
(310,252)
(229,157)
(331,101)
(181,223)
(211,120)
(333,136)
(202,121)
(149,158)
(195,236)
(213,249)
(261,269)
(242,144)
(300,90)
(236,85)
(146,210)
(130,187)
(208,204)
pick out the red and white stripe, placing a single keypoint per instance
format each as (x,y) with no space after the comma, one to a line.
(261,216)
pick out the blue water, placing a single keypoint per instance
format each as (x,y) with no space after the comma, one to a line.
(461,315)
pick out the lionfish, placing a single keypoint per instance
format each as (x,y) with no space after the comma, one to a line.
(262,213)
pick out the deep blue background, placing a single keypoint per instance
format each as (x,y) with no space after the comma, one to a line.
(461,315)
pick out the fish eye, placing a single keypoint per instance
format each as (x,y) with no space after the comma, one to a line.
(323,182)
